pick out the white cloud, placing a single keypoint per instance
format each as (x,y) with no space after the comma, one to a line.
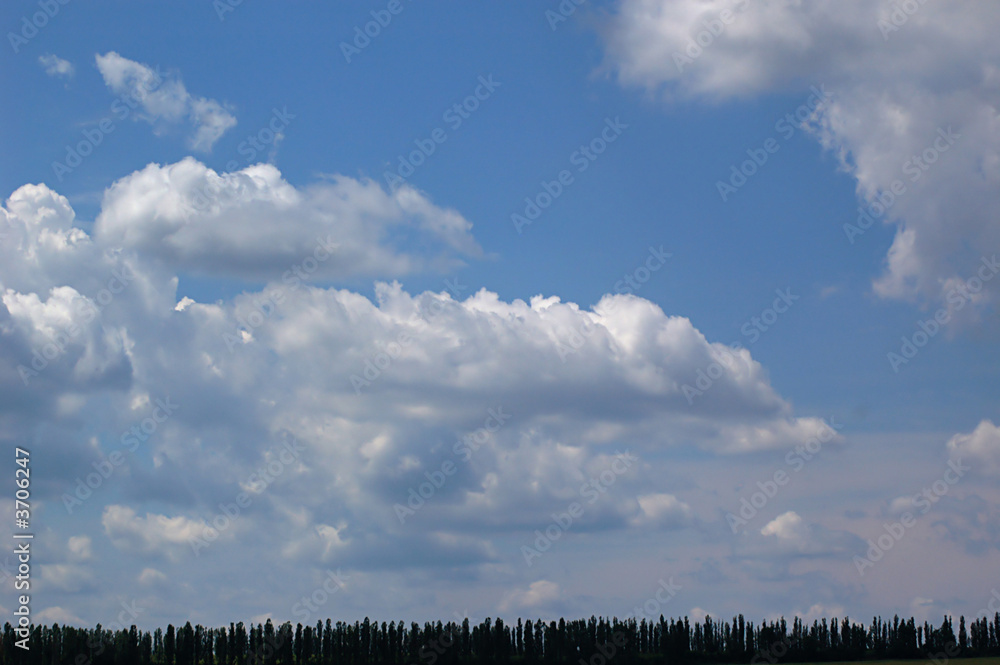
(56,66)
(165,100)
(538,595)
(66,577)
(980,448)
(58,615)
(151,534)
(467,353)
(895,93)
(787,526)
(698,615)
(662,509)
(151,576)
(80,547)
(253,223)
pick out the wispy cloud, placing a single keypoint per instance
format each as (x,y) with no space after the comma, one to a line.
(56,66)
(166,102)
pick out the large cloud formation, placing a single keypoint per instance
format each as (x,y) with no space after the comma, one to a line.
(915,91)
(175,411)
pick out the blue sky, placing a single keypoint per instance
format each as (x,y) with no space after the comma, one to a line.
(344,125)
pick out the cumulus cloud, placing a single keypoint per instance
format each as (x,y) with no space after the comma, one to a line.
(914,100)
(981,448)
(150,534)
(80,547)
(254,224)
(663,510)
(165,101)
(538,595)
(66,577)
(787,526)
(455,359)
(56,66)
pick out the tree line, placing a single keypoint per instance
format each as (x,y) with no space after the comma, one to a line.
(594,641)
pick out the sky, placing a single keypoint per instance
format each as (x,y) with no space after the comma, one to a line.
(418,310)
